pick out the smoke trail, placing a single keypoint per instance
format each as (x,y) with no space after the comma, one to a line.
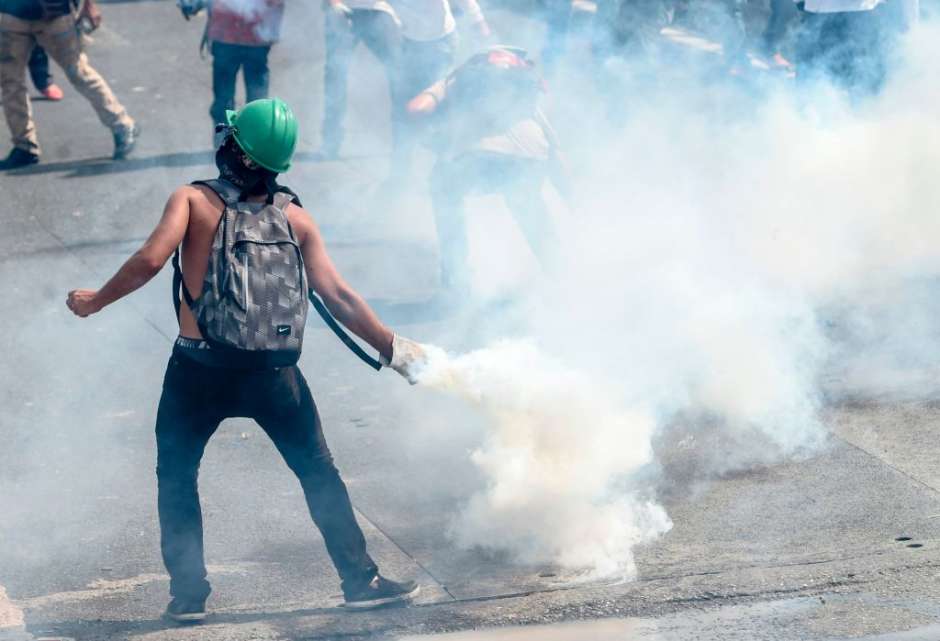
(549,457)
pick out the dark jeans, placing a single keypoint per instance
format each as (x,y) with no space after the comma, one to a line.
(518,180)
(724,21)
(227,59)
(782,13)
(849,48)
(557,15)
(629,28)
(381,34)
(195,399)
(39,68)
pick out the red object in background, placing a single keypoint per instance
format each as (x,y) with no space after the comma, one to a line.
(53,92)
(252,23)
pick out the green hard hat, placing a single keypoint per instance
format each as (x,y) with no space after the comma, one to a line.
(266,130)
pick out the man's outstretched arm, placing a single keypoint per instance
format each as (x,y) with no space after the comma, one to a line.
(144,264)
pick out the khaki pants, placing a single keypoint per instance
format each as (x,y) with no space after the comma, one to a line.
(60,38)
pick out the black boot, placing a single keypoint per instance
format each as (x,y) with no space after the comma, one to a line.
(186,611)
(124,141)
(378,592)
(18,158)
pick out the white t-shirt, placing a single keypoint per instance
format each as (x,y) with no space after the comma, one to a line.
(427,20)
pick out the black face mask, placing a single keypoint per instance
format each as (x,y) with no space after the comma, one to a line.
(232,168)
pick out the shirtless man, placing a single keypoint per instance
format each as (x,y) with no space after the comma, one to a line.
(204,385)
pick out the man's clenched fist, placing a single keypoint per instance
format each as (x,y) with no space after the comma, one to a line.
(82,302)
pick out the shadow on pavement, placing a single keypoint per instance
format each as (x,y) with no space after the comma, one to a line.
(103,166)
(80,629)
(88,167)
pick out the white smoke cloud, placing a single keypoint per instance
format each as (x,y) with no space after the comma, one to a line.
(549,460)
(721,244)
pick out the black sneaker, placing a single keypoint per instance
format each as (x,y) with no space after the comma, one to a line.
(183,611)
(381,591)
(124,141)
(18,158)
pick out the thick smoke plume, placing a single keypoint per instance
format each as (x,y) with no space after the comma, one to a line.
(725,249)
(548,422)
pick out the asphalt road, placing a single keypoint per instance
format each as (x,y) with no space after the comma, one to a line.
(843,545)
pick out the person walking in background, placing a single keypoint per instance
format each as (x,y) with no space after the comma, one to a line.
(41,76)
(429,50)
(52,25)
(240,37)
(239,34)
(374,23)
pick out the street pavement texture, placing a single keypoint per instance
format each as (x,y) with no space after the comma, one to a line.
(843,545)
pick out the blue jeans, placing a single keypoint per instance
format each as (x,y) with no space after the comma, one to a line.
(381,34)
(227,59)
(850,48)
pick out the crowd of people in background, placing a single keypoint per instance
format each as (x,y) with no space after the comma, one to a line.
(482,118)
(416,42)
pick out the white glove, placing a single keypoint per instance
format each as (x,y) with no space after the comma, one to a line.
(408,358)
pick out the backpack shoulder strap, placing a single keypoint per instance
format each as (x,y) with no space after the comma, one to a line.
(229,193)
(287,191)
(281,201)
(179,286)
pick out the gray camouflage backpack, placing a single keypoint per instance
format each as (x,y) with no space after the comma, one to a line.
(253,304)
